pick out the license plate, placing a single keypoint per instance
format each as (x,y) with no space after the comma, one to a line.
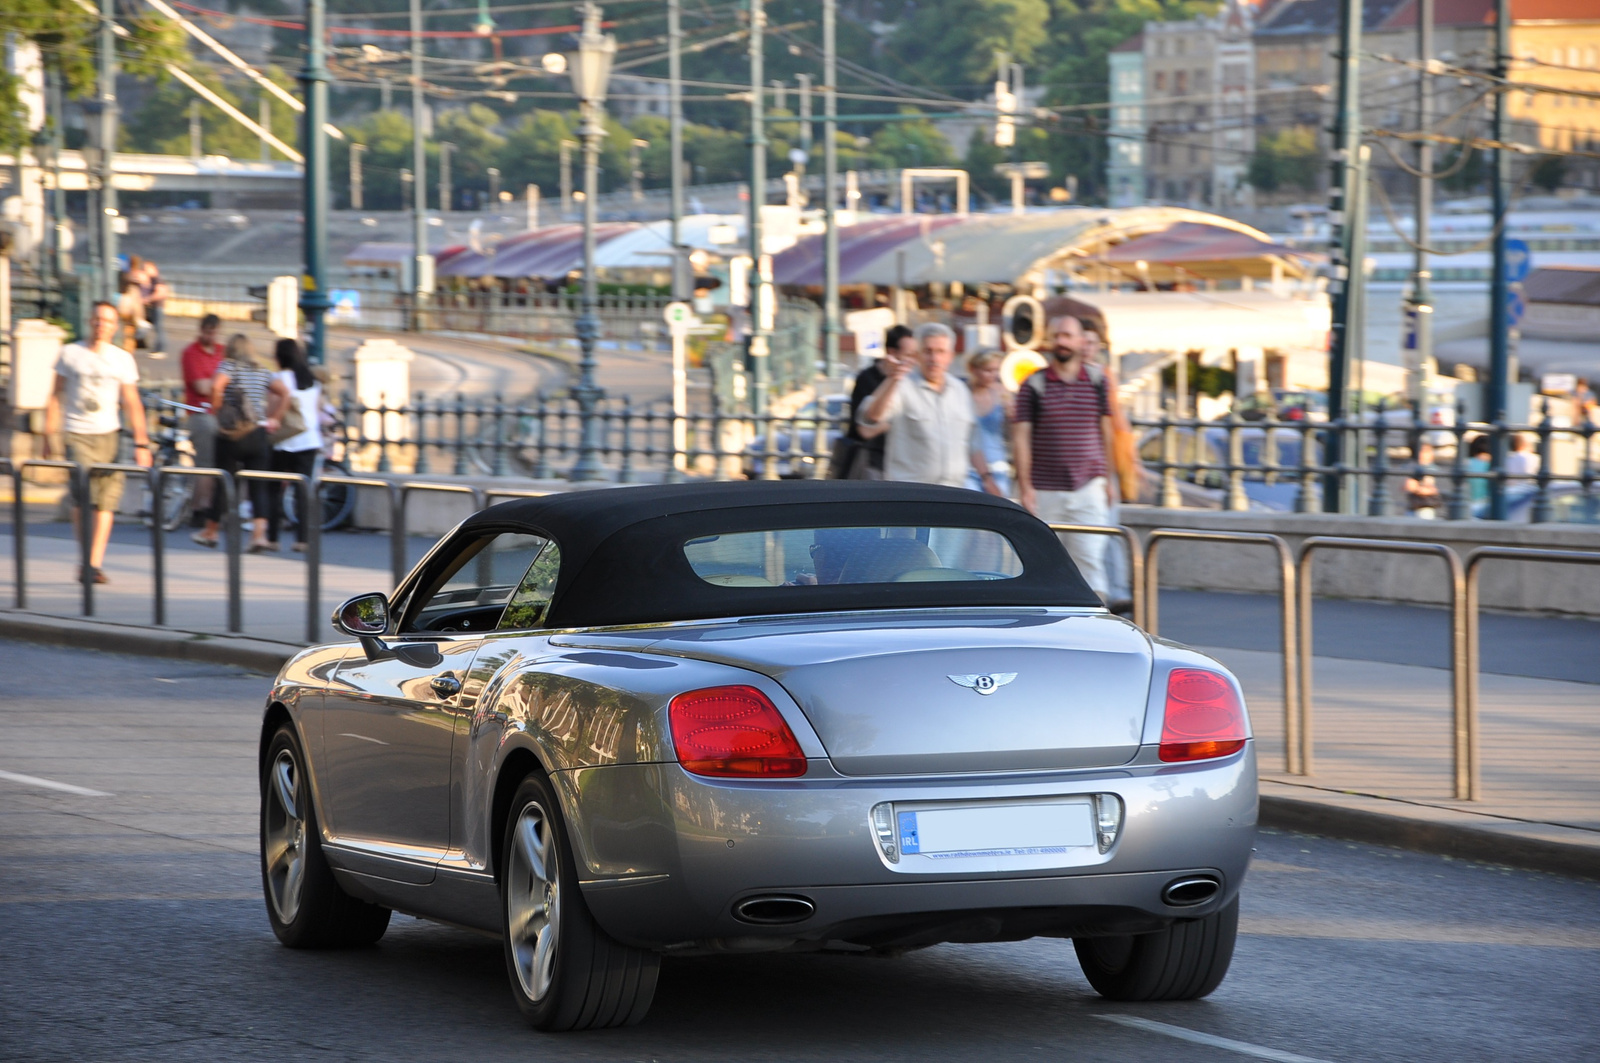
(997,830)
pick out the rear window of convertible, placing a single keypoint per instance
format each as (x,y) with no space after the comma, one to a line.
(812,557)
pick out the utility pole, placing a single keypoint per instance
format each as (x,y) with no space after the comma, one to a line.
(314,79)
(1344,241)
(108,144)
(194,129)
(682,283)
(830,179)
(264,120)
(356,197)
(635,171)
(531,195)
(589,76)
(1419,308)
(494,188)
(804,93)
(58,195)
(758,195)
(1501,373)
(445,148)
(420,285)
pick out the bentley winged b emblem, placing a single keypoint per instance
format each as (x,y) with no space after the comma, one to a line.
(983,684)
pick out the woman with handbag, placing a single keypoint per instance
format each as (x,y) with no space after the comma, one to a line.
(297,443)
(253,404)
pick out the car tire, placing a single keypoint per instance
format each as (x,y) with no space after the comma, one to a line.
(1186,961)
(307,907)
(565,972)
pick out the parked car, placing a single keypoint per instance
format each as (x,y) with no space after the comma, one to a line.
(793,451)
(1264,488)
(1569,504)
(609,726)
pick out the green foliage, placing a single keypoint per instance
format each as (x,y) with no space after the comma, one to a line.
(952,42)
(908,143)
(1287,158)
(69,41)
(1551,172)
(162,124)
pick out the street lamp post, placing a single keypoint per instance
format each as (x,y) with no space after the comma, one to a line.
(830,178)
(419,174)
(635,169)
(681,283)
(108,143)
(314,79)
(591,69)
(758,194)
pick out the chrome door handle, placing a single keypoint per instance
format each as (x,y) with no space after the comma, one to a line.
(446,685)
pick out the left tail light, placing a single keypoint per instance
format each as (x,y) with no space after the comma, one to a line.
(1204,717)
(733,732)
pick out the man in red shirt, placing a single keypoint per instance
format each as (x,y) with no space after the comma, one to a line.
(200,361)
(1062,439)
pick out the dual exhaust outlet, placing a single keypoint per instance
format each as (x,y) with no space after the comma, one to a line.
(778,909)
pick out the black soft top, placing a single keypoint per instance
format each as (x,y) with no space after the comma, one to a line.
(622,558)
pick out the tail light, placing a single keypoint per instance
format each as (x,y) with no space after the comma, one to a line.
(1204,718)
(733,732)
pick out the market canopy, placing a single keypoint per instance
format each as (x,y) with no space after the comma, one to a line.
(1020,249)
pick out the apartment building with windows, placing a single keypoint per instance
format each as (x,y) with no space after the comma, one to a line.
(1125,157)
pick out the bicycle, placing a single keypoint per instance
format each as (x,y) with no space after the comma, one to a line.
(172,448)
(338,500)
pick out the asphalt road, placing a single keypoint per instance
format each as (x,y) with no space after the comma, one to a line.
(132,928)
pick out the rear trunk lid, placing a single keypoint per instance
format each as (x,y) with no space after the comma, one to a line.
(904,694)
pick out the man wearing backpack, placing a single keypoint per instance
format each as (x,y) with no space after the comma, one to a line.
(1062,442)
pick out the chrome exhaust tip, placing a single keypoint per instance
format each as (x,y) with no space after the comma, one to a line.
(1188,892)
(774,909)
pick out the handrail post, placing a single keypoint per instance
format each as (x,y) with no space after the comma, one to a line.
(625,470)
(19,535)
(397,533)
(310,488)
(1460,490)
(158,548)
(1378,497)
(83,480)
(541,467)
(230,525)
(461,434)
(1170,498)
(1238,501)
(1542,511)
(420,466)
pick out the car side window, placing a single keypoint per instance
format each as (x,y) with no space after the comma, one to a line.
(531,600)
(470,589)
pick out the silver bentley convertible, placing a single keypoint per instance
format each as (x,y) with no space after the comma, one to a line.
(614,725)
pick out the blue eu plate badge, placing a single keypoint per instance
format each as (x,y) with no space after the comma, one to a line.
(909,842)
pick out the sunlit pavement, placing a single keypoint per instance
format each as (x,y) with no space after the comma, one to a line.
(132,928)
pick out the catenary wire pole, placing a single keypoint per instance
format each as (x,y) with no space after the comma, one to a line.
(758,194)
(314,81)
(830,178)
(1420,308)
(419,170)
(1343,223)
(1496,408)
(108,144)
(681,284)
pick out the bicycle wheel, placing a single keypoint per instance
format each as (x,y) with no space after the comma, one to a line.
(177,493)
(338,500)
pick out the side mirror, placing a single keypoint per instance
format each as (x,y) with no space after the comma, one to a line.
(364,616)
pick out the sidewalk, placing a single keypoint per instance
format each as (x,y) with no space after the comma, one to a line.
(1383,731)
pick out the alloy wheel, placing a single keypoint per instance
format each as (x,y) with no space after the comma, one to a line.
(284,837)
(533,901)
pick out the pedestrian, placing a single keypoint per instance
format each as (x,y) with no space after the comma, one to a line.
(130,303)
(1061,443)
(92,381)
(249,404)
(927,413)
(992,407)
(1422,490)
(297,453)
(153,292)
(861,458)
(1480,458)
(199,363)
(1522,464)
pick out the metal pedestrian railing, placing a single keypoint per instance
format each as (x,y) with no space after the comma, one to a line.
(1464,726)
(1295,746)
(1136,565)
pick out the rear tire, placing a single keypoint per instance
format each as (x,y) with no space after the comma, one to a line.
(566,973)
(307,907)
(1186,961)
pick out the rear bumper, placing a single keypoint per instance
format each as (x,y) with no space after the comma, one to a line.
(666,856)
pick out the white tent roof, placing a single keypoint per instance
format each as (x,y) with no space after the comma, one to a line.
(1175,322)
(650,246)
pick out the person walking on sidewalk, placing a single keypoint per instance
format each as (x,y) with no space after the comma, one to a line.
(92,381)
(1061,444)
(251,401)
(864,457)
(200,362)
(153,293)
(298,453)
(993,409)
(928,414)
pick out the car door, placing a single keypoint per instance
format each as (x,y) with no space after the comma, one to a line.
(389,725)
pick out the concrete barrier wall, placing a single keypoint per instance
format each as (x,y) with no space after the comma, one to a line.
(1518,586)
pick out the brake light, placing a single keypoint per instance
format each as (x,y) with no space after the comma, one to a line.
(733,732)
(1204,717)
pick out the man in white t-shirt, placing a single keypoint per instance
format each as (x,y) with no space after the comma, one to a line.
(93,381)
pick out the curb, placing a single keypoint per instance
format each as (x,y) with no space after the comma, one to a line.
(257,655)
(1512,844)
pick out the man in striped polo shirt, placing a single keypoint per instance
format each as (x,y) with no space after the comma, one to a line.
(1062,442)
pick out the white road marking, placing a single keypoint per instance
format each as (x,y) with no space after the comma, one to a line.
(1243,1048)
(51,784)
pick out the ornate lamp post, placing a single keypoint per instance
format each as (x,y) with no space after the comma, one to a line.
(590,67)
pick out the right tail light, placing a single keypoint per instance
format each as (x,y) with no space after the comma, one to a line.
(1204,717)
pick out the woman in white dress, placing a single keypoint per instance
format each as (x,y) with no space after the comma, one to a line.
(299,453)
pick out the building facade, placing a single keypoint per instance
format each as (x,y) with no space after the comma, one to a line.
(1125,157)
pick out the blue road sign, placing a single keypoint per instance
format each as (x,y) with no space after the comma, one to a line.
(1515,308)
(1519,261)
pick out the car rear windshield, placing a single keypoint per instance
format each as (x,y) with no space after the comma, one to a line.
(819,557)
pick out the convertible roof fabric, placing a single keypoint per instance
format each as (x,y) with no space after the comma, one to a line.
(622,558)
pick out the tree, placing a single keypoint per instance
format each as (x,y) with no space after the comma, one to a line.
(1550,173)
(67,37)
(909,143)
(1287,158)
(162,124)
(952,42)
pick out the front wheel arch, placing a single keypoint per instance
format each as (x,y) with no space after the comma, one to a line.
(518,765)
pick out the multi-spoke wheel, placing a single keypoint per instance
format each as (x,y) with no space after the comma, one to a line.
(307,908)
(565,972)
